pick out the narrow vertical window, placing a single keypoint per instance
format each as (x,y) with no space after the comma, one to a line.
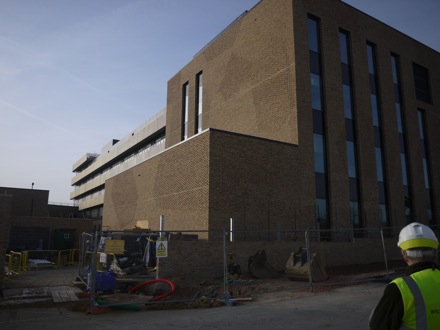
(350,131)
(319,135)
(403,146)
(426,167)
(421,83)
(378,136)
(199,102)
(185,98)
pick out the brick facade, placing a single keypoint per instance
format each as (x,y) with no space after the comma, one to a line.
(254,161)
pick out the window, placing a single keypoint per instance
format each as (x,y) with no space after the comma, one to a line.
(350,129)
(319,139)
(421,83)
(185,98)
(199,102)
(401,131)
(426,169)
(378,135)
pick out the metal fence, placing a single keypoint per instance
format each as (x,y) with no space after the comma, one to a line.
(316,234)
(126,262)
(19,262)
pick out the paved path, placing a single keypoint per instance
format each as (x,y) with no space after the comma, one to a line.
(344,308)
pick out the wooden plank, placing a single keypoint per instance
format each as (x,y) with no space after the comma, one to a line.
(64,296)
(72,295)
(56,296)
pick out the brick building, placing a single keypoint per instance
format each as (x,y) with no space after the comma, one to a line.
(29,222)
(300,114)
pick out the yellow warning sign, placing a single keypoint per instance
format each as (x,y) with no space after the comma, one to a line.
(115,246)
(161,249)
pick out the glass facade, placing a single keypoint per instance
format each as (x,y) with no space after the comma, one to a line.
(378,136)
(319,138)
(350,130)
(401,131)
(426,169)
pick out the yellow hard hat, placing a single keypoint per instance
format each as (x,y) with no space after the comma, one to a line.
(417,235)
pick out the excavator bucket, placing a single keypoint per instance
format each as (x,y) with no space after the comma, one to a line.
(297,267)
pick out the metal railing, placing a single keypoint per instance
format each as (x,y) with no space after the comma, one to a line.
(19,262)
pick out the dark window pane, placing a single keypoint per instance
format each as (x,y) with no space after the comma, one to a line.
(370,55)
(313,34)
(353,189)
(379,164)
(318,122)
(399,118)
(402,143)
(377,138)
(351,160)
(345,74)
(346,94)
(321,213)
(349,130)
(355,215)
(319,150)
(314,62)
(373,84)
(321,185)
(343,44)
(396,93)
(421,83)
(315,84)
(382,197)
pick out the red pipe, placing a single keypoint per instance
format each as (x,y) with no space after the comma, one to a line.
(157,298)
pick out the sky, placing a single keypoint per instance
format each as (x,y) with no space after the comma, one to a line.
(75,74)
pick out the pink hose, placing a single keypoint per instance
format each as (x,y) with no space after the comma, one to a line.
(157,298)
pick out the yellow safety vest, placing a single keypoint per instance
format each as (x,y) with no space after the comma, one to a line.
(421,299)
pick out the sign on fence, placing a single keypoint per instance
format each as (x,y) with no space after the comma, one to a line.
(115,246)
(162,249)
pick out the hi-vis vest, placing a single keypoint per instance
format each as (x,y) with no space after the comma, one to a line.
(421,299)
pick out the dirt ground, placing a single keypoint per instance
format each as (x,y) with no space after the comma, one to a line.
(206,295)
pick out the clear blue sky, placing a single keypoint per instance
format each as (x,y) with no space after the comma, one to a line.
(75,74)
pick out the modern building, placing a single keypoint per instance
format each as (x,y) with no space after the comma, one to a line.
(92,170)
(300,114)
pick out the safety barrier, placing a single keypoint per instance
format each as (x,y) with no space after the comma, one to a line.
(13,264)
(120,267)
(36,259)
(18,262)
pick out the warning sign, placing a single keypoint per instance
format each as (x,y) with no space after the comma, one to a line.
(161,249)
(115,246)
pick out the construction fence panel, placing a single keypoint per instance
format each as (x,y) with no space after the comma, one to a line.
(38,259)
(131,269)
(13,263)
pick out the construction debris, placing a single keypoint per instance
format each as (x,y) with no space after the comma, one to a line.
(259,267)
(298,267)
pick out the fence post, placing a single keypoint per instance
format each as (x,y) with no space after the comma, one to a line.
(309,259)
(92,279)
(231,230)
(384,250)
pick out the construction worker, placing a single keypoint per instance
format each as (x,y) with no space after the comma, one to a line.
(412,301)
